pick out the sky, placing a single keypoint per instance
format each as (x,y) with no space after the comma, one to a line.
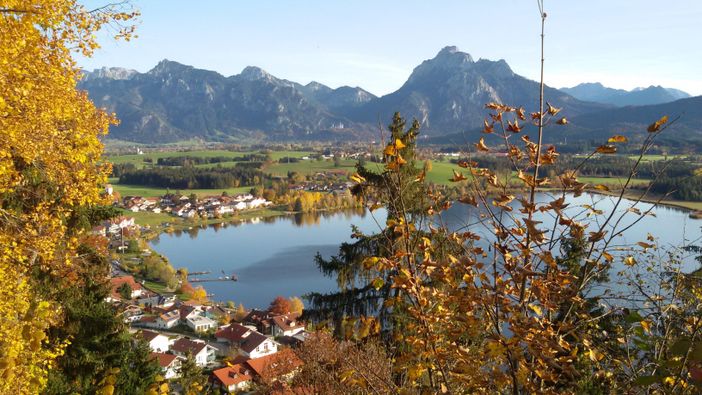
(375,44)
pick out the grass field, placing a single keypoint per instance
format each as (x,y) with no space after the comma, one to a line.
(306,167)
(138,160)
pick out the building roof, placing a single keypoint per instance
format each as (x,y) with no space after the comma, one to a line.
(252,341)
(164,360)
(234,374)
(116,282)
(199,320)
(289,321)
(149,335)
(246,338)
(234,333)
(185,346)
(170,315)
(274,365)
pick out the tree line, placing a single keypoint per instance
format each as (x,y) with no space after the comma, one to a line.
(193,177)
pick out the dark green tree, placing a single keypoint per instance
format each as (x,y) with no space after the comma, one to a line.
(191,380)
(125,291)
(404,194)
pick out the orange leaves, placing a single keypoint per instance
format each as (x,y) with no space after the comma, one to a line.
(562,121)
(480,145)
(488,127)
(457,177)
(514,127)
(606,149)
(656,126)
(617,139)
(503,202)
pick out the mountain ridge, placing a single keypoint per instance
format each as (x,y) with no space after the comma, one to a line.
(447,94)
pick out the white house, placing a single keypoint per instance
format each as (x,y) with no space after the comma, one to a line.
(200,323)
(157,341)
(168,320)
(287,325)
(201,352)
(169,363)
(248,342)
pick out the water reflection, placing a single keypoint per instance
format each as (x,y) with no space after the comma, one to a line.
(275,255)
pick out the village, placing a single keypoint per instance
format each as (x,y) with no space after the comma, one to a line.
(235,347)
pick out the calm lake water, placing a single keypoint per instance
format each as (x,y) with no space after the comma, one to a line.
(276,256)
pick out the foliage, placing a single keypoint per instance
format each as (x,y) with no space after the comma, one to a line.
(343,367)
(125,291)
(49,167)
(192,381)
(279,305)
(193,177)
(296,305)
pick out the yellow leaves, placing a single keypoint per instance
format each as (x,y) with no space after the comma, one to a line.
(606,149)
(551,109)
(357,178)
(646,325)
(595,355)
(656,126)
(629,261)
(536,309)
(562,121)
(399,144)
(480,145)
(601,187)
(617,139)
(390,150)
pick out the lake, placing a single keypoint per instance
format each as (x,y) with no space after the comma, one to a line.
(275,256)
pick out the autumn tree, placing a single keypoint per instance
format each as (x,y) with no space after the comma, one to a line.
(296,305)
(279,305)
(50,166)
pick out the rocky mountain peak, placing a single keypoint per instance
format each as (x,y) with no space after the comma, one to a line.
(168,66)
(253,73)
(112,73)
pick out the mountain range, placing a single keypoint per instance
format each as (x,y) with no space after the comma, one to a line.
(596,92)
(447,94)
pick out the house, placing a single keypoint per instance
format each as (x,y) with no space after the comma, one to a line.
(132,313)
(200,323)
(233,378)
(168,319)
(249,343)
(279,366)
(157,341)
(157,300)
(169,363)
(201,352)
(260,319)
(287,325)
(274,324)
(117,282)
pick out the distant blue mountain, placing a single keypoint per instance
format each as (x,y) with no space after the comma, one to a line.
(596,92)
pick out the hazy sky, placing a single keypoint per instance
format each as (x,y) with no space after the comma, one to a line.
(375,44)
